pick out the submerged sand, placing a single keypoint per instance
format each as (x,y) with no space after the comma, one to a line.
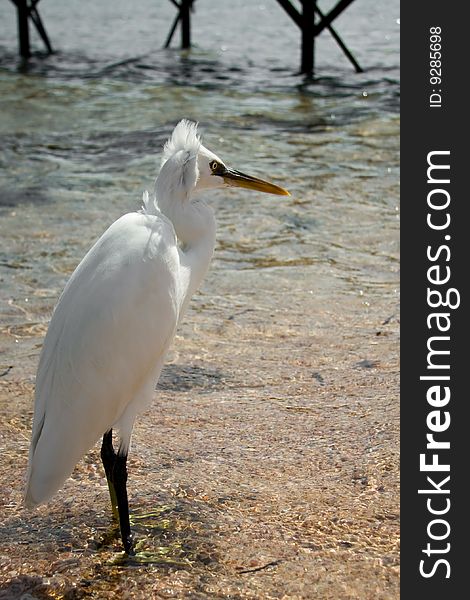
(267,466)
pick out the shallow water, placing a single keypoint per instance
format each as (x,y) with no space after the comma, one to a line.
(81,133)
(272,442)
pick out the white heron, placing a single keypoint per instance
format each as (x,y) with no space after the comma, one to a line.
(115,320)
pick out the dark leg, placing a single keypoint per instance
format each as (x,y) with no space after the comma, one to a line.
(108,456)
(120,479)
(116,474)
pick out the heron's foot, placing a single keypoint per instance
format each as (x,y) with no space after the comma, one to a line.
(128,543)
(112,535)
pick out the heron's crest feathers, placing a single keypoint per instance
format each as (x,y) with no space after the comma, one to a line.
(179,172)
(184,137)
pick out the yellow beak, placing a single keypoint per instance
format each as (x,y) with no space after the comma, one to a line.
(235,178)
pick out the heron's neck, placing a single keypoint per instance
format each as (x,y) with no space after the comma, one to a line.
(195,257)
(195,228)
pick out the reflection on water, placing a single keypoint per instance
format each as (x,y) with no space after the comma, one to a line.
(81,134)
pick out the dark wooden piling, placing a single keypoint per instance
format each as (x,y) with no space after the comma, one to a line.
(308,38)
(26,9)
(36,19)
(184,16)
(304,19)
(185,12)
(23,28)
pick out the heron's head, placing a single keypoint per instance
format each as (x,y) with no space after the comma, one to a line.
(214,173)
(201,169)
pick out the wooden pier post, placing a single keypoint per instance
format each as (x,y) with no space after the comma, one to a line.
(305,20)
(26,9)
(36,19)
(185,12)
(23,28)
(184,15)
(307,64)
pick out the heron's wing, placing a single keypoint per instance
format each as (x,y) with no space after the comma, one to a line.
(112,326)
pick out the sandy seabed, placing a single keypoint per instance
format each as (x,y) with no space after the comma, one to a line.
(267,467)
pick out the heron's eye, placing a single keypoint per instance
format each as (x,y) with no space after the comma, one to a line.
(214,165)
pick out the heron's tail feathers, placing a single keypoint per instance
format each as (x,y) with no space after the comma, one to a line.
(42,483)
(53,457)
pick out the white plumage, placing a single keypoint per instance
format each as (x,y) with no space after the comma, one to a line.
(115,320)
(104,347)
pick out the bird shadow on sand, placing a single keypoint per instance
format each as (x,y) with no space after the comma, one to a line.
(183,378)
